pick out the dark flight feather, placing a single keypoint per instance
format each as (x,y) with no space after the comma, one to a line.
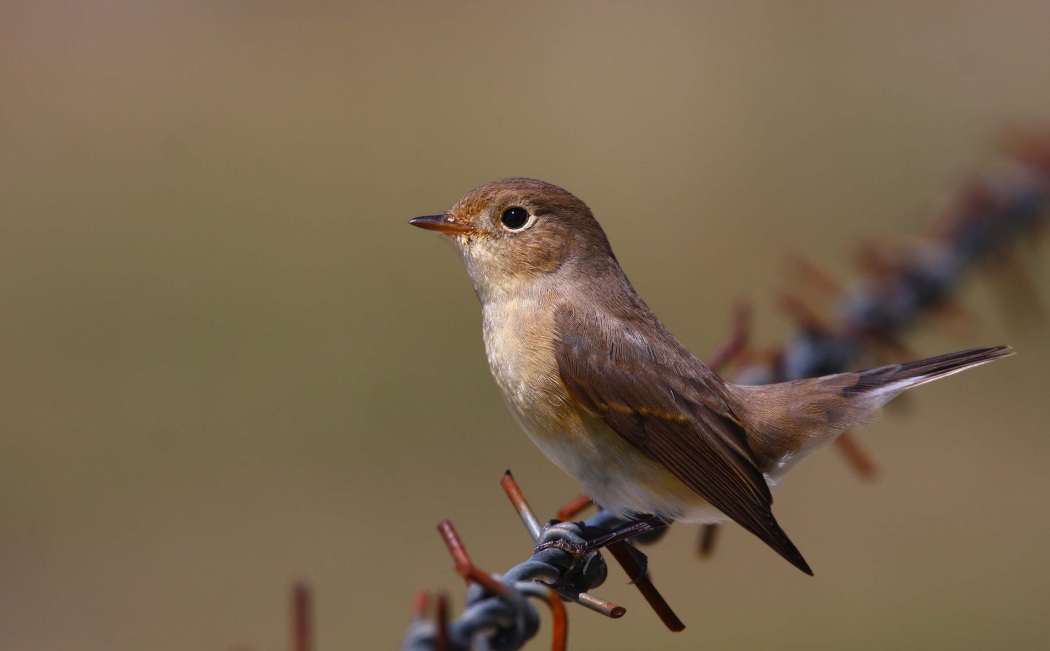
(680,417)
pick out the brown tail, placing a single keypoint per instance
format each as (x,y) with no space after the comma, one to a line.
(891,380)
(787,421)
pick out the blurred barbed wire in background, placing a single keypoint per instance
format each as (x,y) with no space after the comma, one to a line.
(981,225)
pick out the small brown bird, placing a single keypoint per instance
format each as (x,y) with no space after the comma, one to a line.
(611,397)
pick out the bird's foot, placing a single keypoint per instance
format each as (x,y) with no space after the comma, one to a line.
(583,567)
(581,543)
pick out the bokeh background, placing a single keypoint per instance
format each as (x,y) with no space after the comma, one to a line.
(227,363)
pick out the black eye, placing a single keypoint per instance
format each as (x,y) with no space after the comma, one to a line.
(514,218)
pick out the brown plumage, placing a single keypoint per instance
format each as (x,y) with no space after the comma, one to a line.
(614,399)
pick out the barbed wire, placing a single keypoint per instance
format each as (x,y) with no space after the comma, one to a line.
(980,224)
(498,614)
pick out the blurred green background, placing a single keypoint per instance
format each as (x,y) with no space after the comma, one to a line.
(228,362)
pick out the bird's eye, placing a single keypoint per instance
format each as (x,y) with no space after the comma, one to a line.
(514,218)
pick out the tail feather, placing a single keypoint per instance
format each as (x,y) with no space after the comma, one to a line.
(786,422)
(891,380)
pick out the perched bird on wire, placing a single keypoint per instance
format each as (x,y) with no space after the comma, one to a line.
(609,395)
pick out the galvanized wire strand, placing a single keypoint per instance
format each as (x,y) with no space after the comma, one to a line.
(504,620)
(983,221)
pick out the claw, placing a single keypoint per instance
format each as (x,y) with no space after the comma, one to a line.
(585,566)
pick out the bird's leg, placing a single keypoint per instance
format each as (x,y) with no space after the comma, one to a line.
(578,550)
(648,524)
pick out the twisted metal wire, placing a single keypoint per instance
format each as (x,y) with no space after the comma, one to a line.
(981,222)
(498,613)
(494,618)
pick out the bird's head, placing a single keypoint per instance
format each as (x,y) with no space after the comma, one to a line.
(517,231)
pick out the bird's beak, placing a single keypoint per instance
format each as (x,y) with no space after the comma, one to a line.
(445,224)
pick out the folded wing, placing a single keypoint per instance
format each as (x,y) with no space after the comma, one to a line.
(648,389)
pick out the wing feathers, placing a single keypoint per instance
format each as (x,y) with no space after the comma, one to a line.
(679,417)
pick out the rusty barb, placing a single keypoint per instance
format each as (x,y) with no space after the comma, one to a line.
(982,224)
(302,618)
(630,559)
(498,614)
(532,524)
